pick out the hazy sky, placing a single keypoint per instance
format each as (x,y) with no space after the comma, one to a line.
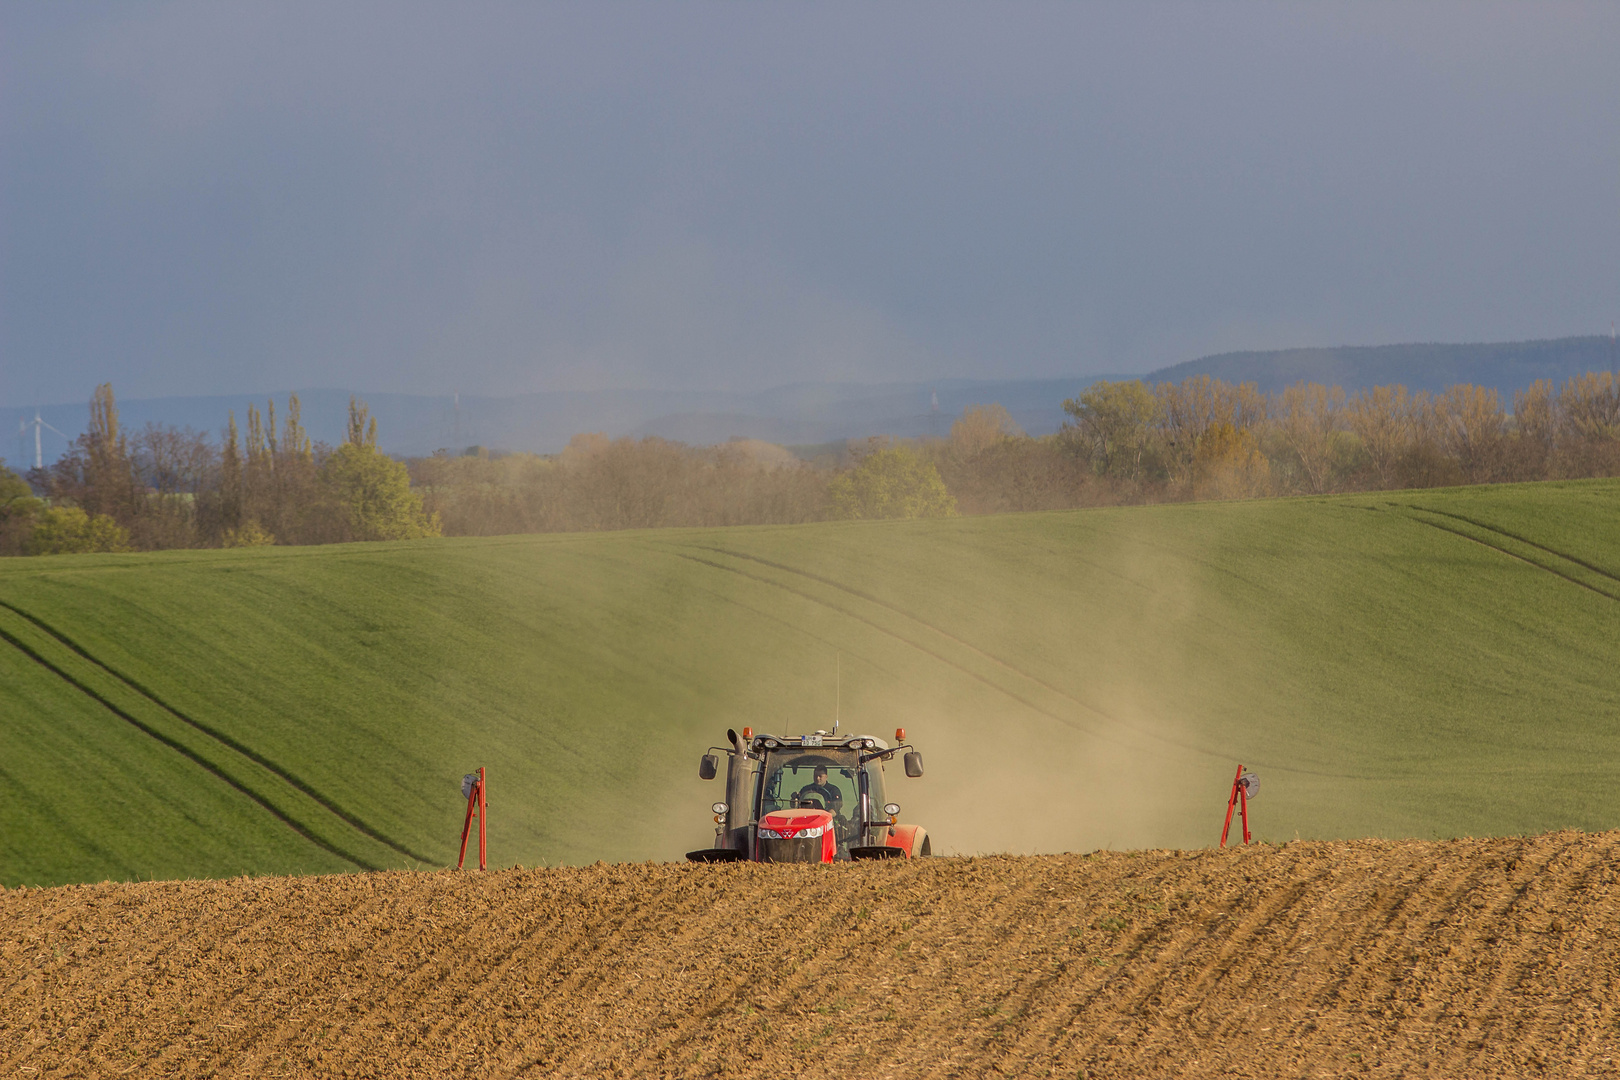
(214,198)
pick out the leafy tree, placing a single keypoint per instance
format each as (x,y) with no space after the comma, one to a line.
(1114,423)
(1228,464)
(374,492)
(893,482)
(982,427)
(18,507)
(1192,407)
(362,425)
(284,496)
(229,499)
(97,473)
(63,530)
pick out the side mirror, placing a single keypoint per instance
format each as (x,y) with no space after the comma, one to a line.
(711,763)
(913,764)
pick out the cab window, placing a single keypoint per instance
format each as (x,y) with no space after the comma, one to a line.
(787,776)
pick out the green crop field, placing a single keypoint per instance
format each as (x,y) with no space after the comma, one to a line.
(1413,664)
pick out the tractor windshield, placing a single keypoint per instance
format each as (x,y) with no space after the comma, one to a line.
(791,773)
(790,781)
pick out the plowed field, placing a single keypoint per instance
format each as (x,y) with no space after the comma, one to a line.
(1463,958)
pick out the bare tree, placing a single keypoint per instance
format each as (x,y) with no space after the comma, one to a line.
(1306,420)
(1472,430)
(1382,419)
(1589,425)
(1196,406)
(1535,431)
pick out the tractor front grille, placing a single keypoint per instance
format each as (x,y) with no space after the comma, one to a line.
(798,849)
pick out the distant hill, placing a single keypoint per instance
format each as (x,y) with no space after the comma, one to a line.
(815,413)
(544,422)
(1505,366)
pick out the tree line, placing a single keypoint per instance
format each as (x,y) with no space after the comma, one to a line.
(601,483)
(1202,438)
(167,487)
(1124,442)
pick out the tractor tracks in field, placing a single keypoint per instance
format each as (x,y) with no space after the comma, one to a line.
(1111,728)
(1560,564)
(280,792)
(886,631)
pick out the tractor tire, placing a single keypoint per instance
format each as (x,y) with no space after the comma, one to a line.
(911,839)
(881,851)
(715,855)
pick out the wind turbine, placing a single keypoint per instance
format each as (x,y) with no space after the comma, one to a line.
(38,422)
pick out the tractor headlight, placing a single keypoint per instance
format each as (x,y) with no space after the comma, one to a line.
(719,808)
(892,809)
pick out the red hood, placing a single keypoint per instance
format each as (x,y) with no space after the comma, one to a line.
(790,823)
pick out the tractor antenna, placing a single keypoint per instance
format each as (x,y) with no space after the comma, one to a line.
(838,690)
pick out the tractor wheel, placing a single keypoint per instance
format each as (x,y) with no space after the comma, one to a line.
(927,848)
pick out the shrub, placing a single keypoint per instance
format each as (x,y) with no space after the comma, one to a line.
(64,530)
(891,483)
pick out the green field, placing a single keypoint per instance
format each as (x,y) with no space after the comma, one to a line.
(1423,664)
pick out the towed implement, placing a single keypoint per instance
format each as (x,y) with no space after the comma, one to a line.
(809,798)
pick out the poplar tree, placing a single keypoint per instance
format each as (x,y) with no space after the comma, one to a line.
(230,478)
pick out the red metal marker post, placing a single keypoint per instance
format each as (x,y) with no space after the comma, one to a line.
(475,803)
(1239,800)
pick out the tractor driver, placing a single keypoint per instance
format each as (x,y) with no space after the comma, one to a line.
(831,798)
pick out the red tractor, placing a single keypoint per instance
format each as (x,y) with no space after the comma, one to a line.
(810,798)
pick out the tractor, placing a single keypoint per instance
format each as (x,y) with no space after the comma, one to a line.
(808,798)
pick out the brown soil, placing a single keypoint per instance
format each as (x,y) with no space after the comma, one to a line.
(1468,958)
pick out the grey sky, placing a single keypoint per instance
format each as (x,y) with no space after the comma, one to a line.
(207,198)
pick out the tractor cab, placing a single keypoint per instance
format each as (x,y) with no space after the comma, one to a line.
(809,798)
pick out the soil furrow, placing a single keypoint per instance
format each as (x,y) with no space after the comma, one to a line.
(1367,958)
